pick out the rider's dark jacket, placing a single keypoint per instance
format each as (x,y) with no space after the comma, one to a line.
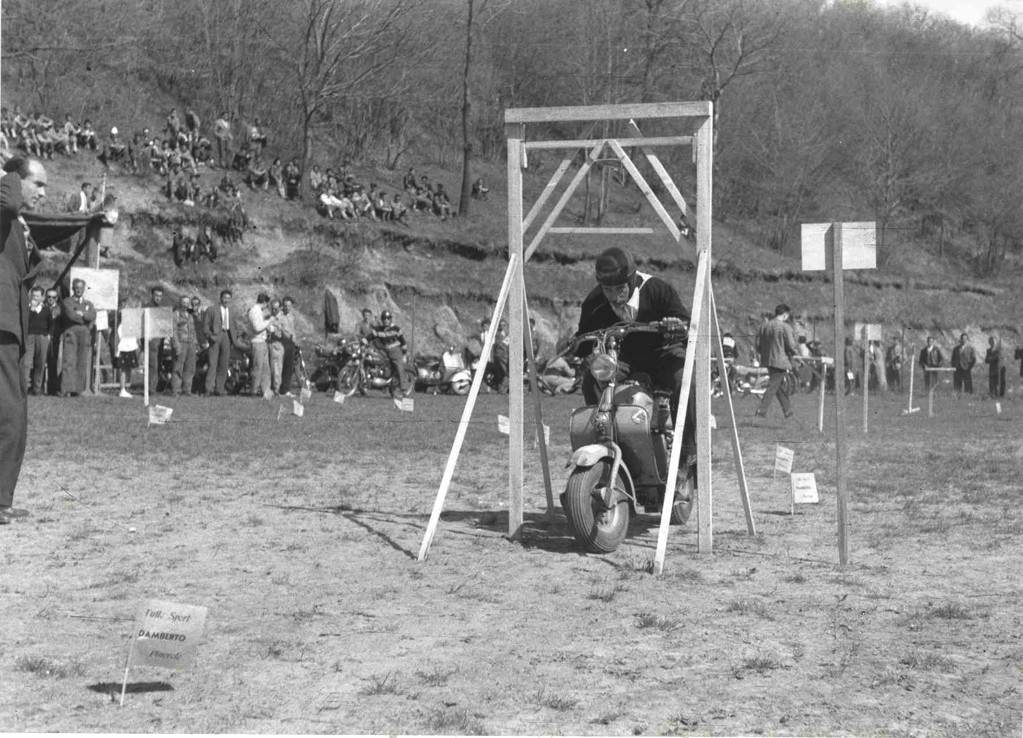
(657,300)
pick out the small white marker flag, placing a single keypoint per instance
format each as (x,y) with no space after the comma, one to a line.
(305,394)
(167,634)
(297,408)
(405,404)
(340,397)
(158,414)
(804,488)
(503,424)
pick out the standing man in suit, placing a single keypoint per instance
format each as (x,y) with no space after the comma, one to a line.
(963,359)
(22,188)
(221,338)
(78,316)
(930,356)
(155,344)
(777,345)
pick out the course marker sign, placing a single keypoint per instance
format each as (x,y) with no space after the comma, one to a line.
(305,395)
(783,458)
(159,415)
(339,397)
(503,424)
(297,408)
(859,246)
(405,404)
(804,489)
(166,634)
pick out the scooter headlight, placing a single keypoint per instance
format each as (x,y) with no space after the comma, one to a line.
(603,367)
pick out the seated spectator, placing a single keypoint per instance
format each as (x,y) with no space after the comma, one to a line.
(422,200)
(114,150)
(257,175)
(159,157)
(362,204)
(6,123)
(192,122)
(292,179)
(316,179)
(441,203)
(70,131)
(87,136)
(399,212)
(85,198)
(334,203)
(5,149)
(194,189)
(479,190)
(381,206)
(275,176)
(242,157)
(227,186)
(202,150)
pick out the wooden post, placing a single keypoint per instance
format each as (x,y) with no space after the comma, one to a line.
(680,418)
(145,356)
(820,403)
(470,403)
(740,467)
(534,384)
(701,324)
(840,492)
(912,366)
(516,153)
(866,376)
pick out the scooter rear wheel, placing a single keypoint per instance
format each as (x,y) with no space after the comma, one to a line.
(598,530)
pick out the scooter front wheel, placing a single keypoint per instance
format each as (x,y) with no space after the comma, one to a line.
(685,493)
(597,528)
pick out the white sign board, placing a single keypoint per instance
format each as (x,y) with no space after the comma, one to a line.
(167,634)
(804,488)
(102,322)
(405,404)
(875,331)
(100,286)
(297,408)
(503,424)
(131,323)
(783,459)
(859,246)
(161,322)
(159,415)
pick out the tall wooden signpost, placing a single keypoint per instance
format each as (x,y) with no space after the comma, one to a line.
(842,246)
(695,117)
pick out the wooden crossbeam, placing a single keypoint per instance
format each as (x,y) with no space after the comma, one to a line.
(607,231)
(641,182)
(586,142)
(697,109)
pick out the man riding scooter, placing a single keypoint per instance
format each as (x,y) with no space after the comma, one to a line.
(624,294)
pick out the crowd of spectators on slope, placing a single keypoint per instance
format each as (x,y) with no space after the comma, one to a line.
(180,150)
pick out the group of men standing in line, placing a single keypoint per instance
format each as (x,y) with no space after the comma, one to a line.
(962,361)
(58,343)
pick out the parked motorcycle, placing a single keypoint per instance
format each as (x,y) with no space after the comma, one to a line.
(330,362)
(368,368)
(434,376)
(620,450)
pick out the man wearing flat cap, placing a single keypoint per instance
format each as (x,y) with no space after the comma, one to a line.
(776,343)
(624,294)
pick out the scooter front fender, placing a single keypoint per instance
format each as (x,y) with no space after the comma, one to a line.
(588,455)
(591,454)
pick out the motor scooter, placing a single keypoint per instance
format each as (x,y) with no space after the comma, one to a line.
(621,448)
(434,375)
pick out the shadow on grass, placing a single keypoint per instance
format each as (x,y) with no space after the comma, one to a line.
(114,688)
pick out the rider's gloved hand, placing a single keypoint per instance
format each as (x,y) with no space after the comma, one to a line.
(675,327)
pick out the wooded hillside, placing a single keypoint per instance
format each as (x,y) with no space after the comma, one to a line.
(825,110)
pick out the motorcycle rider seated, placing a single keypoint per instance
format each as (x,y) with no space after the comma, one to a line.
(391,341)
(624,294)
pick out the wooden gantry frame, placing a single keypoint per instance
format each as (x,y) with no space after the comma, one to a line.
(704,328)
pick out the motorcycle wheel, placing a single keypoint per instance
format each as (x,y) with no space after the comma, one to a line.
(596,529)
(348,381)
(410,383)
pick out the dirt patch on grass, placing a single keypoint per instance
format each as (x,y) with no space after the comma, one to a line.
(300,536)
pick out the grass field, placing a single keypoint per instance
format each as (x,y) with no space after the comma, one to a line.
(300,535)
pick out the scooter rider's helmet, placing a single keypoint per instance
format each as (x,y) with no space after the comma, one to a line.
(385,316)
(615,267)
